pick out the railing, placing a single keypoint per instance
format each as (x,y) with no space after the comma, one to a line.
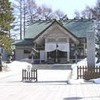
(29,75)
(75,60)
(89,72)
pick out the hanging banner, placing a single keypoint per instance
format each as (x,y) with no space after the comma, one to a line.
(63,47)
(50,47)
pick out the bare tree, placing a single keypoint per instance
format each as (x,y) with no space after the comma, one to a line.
(17,5)
(86,13)
(28,11)
(77,14)
(58,14)
(42,12)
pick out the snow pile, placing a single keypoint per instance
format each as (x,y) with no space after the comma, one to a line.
(74,67)
(97,81)
(82,62)
(74,71)
(18,65)
(74,79)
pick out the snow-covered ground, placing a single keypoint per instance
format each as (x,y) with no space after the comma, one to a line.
(43,75)
(16,66)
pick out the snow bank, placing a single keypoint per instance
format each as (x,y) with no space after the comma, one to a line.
(18,65)
(74,79)
(97,81)
(74,71)
(82,62)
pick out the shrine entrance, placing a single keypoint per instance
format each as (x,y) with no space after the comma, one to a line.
(57,52)
(57,56)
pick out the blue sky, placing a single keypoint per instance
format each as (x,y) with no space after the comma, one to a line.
(67,6)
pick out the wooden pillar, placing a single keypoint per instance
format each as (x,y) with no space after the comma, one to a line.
(68,56)
(68,52)
(45,56)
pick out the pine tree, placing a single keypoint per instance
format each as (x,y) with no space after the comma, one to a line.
(6,18)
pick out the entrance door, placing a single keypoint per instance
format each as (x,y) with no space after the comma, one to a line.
(62,56)
(57,57)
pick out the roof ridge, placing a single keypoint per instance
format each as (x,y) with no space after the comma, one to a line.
(61,21)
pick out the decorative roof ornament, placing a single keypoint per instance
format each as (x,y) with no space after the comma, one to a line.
(64,18)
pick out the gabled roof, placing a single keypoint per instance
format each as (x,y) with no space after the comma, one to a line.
(37,28)
(78,28)
(23,42)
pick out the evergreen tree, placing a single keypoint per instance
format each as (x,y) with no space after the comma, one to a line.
(6,18)
(96,14)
